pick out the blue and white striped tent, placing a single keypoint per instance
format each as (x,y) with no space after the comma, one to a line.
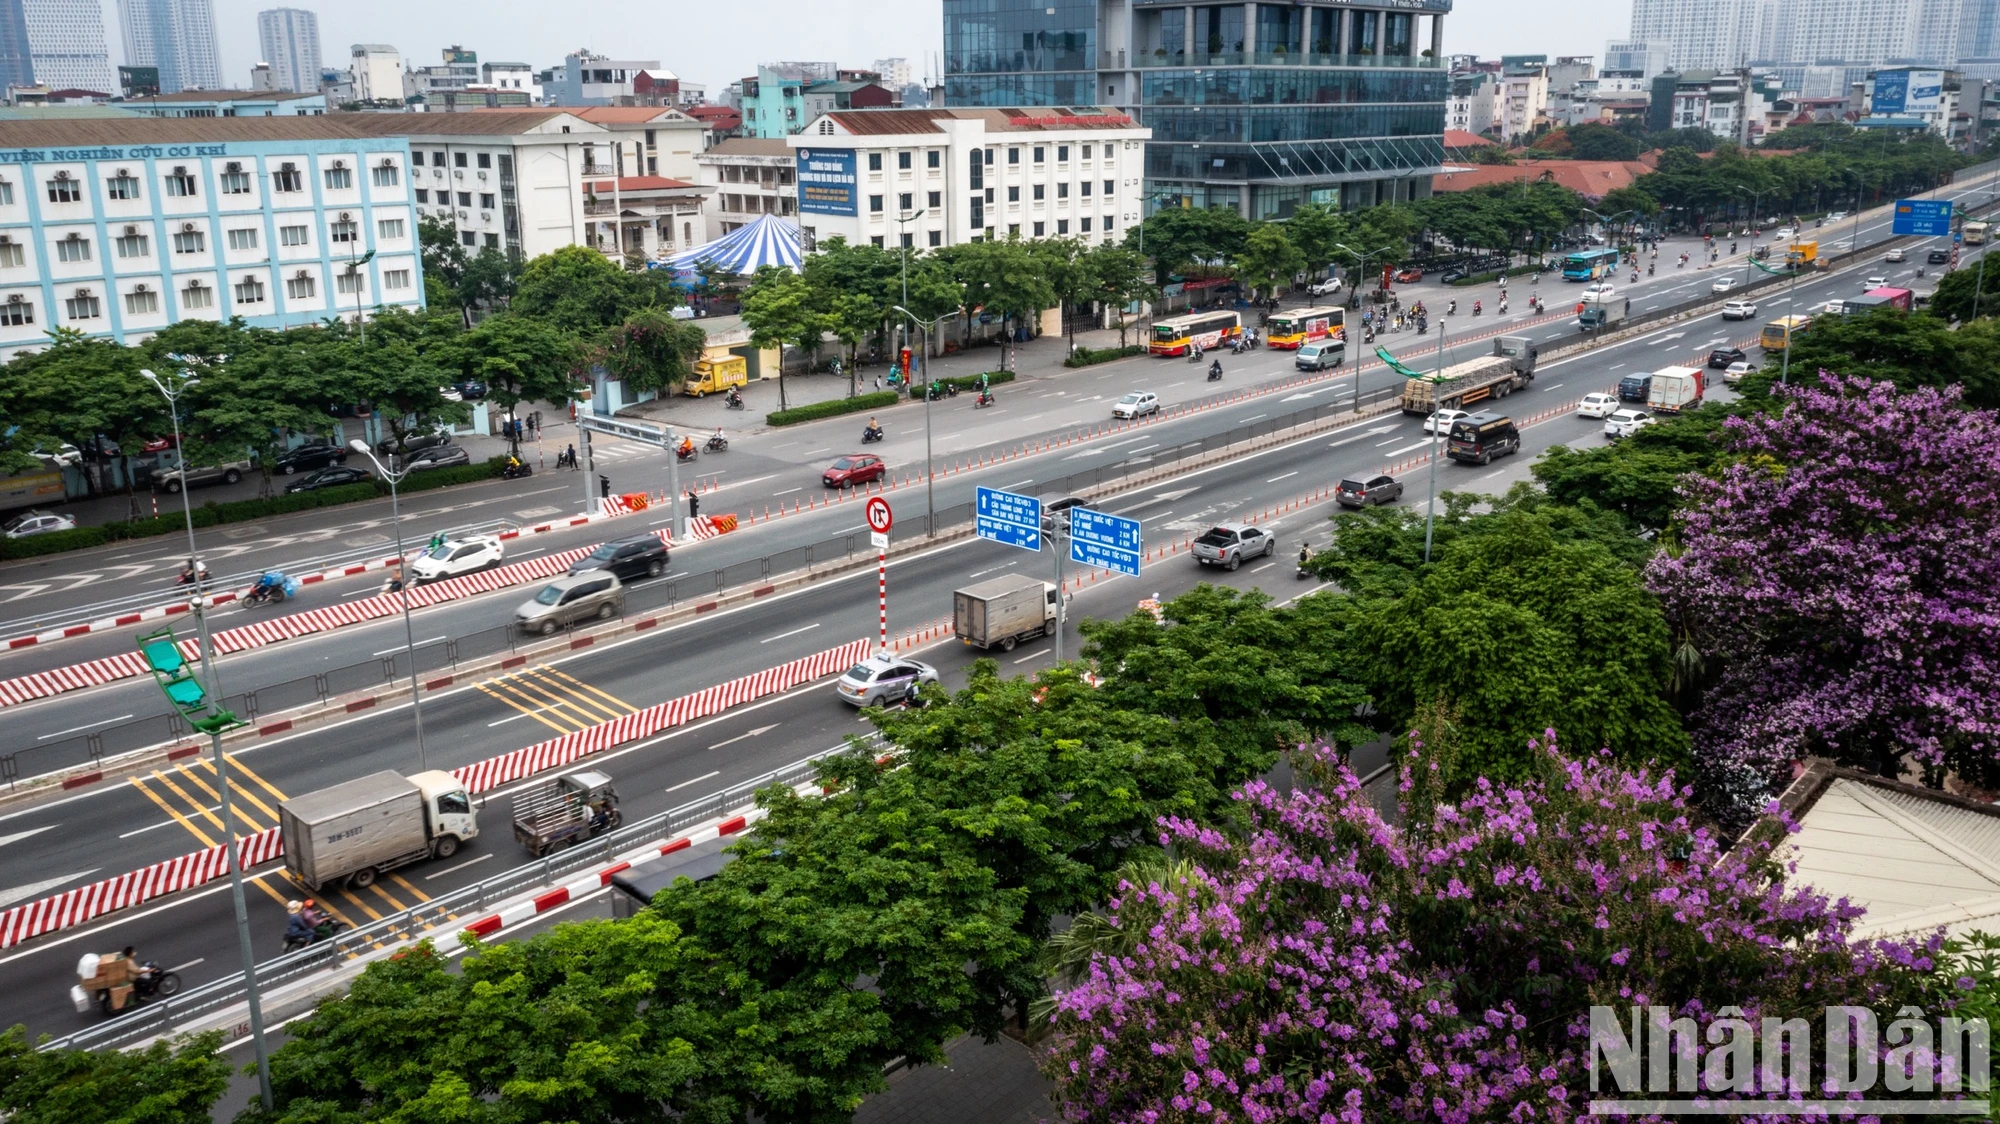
(769,240)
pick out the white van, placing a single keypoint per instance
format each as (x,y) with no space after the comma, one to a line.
(1320,356)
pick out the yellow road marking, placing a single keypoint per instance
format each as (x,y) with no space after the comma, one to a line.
(361,905)
(236,765)
(583,711)
(623,706)
(421,896)
(532,712)
(387,897)
(169,810)
(197,805)
(244,794)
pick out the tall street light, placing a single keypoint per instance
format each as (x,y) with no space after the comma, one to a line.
(903,237)
(354,271)
(1355,292)
(1791,302)
(171,388)
(1756,198)
(930,498)
(402,594)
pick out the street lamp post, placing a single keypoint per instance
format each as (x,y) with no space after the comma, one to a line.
(1364,255)
(354,271)
(903,237)
(171,389)
(1756,199)
(1791,301)
(1430,510)
(403,593)
(930,495)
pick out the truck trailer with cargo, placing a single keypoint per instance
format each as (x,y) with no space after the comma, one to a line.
(1001,612)
(356,830)
(1511,367)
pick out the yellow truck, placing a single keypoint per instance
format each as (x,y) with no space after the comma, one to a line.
(714,376)
(1801,254)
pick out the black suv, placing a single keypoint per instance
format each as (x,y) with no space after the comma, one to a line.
(1724,356)
(1938,257)
(637,556)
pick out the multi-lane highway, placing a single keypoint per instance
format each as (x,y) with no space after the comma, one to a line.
(55,845)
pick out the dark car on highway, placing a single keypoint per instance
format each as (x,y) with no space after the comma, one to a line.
(631,558)
(332,476)
(1361,493)
(857,468)
(1938,257)
(311,455)
(437,456)
(1723,356)
(412,442)
(471,390)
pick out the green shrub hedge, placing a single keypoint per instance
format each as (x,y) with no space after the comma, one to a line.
(1511,271)
(241,511)
(1084,357)
(966,382)
(833,408)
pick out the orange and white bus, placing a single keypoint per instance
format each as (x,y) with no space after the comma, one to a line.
(1291,330)
(1209,329)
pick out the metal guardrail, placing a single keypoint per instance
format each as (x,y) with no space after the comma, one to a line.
(437,915)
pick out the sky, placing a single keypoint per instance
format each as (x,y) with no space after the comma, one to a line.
(717,43)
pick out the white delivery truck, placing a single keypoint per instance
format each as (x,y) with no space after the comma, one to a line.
(374,824)
(1675,389)
(1004,611)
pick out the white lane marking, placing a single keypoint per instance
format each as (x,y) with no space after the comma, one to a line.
(1614,366)
(810,452)
(1552,386)
(1266,565)
(697,780)
(1390,441)
(19,835)
(23,893)
(1424,444)
(789,491)
(793,632)
(78,730)
(1017,483)
(155,827)
(460,866)
(758,732)
(1032,655)
(1286,476)
(401,647)
(189,964)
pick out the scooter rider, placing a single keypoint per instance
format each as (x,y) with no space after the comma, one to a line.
(1215,370)
(873,432)
(686,448)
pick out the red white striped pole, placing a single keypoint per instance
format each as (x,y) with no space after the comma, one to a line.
(882,587)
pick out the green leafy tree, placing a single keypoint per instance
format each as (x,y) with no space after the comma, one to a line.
(652,350)
(581,291)
(1268,260)
(520,359)
(165,1083)
(1593,141)
(1892,346)
(1006,278)
(1118,278)
(1639,478)
(487,282)
(78,389)
(1179,238)
(444,261)
(1066,264)
(1317,229)
(256,400)
(1955,300)
(778,310)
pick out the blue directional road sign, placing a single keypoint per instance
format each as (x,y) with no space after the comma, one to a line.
(1006,517)
(1110,541)
(1925,218)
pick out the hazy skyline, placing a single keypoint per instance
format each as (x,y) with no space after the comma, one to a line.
(715,44)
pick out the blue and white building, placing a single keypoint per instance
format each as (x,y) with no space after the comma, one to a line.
(118,228)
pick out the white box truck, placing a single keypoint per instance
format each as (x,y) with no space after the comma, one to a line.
(1675,389)
(1004,611)
(374,824)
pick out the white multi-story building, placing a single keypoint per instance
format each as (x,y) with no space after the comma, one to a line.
(1634,58)
(895,72)
(1470,106)
(748,178)
(1520,99)
(378,72)
(118,227)
(585,78)
(517,76)
(973,173)
(289,38)
(178,36)
(1701,34)
(66,43)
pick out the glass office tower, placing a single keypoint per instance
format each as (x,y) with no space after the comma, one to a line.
(1255,107)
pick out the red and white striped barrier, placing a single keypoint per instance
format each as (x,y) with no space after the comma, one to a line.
(76,907)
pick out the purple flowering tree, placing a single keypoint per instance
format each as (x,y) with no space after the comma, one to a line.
(1840,588)
(1324,965)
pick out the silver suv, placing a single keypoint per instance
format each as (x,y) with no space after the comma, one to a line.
(174,479)
(572,598)
(1228,544)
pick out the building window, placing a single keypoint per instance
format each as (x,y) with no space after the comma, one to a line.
(250,290)
(395,279)
(62,189)
(83,306)
(978,212)
(16,312)
(978,169)
(908,240)
(465,199)
(1086,152)
(1039,152)
(385,175)
(291,236)
(1013,230)
(1062,154)
(423,195)
(485,200)
(345,230)
(903,161)
(486,158)
(141,301)
(492,241)
(1062,226)
(1013,156)
(389,229)
(6,193)
(905,202)
(197,295)
(243,238)
(1083,188)
(1038,191)
(874,204)
(338,178)
(349,283)
(236,183)
(1083,225)
(458,158)
(122,187)
(11,253)
(1062,190)
(299,288)
(1013,193)
(73,248)
(877,239)
(874,161)
(134,246)
(468,238)
(287,180)
(936,198)
(181,185)
(1110,187)
(1039,227)
(190,242)
(937,237)
(932,159)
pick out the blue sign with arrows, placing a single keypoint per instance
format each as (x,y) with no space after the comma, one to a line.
(1006,517)
(1110,541)
(1923,218)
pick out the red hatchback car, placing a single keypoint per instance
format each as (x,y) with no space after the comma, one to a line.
(1409,276)
(856,468)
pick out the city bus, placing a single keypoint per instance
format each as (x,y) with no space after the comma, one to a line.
(1211,330)
(1591,265)
(1975,233)
(1290,330)
(1778,332)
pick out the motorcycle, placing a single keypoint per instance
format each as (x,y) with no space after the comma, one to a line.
(1194,354)
(718,444)
(1215,371)
(272,589)
(1451,308)
(734,401)
(1423,326)
(1304,556)
(1503,308)
(516,471)
(118,983)
(686,452)
(193,573)
(1475,308)
(871,435)
(985,399)
(326,931)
